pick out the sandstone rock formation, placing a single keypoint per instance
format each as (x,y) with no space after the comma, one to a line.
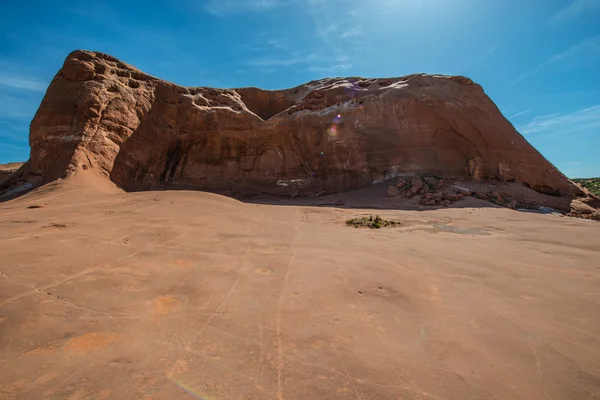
(323,137)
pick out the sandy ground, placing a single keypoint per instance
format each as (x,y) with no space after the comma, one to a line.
(183,295)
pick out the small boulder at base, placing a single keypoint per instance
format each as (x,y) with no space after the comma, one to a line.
(402,182)
(417,185)
(392,191)
(431,181)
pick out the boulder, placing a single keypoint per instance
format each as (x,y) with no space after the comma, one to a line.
(431,181)
(392,191)
(450,196)
(402,182)
(417,185)
(463,191)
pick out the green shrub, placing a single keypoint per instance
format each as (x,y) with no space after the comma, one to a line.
(591,184)
(372,223)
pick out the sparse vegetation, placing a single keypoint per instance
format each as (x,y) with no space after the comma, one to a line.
(591,184)
(372,222)
(405,187)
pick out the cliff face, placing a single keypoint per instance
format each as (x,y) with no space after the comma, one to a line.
(323,137)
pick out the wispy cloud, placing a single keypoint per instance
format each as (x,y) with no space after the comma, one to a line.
(341,38)
(18,107)
(279,53)
(279,44)
(590,44)
(330,45)
(229,7)
(490,51)
(338,63)
(277,62)
(520,113)
(352,33)
(22,82)
(97,10)
(330,68)
(563,124)
(574,9)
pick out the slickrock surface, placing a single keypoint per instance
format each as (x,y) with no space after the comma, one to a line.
(184,294)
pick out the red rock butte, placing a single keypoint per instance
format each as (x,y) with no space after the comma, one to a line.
(327,136)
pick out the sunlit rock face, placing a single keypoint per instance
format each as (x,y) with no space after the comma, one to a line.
(322,137)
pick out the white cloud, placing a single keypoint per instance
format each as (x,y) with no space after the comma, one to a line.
(279,61)
(332,41)
(330,68)
(260,43)
(342,62)
(563,124)
(589,45)
(22,82)
(575,9)
(520,113)
(279,44)
(352,33)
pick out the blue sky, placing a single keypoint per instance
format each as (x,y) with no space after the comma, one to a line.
(539,60)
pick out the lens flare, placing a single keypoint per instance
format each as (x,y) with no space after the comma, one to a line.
(332,131)
(187,389)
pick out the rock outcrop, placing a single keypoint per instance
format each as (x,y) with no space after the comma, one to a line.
(6,170)
(322,137)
